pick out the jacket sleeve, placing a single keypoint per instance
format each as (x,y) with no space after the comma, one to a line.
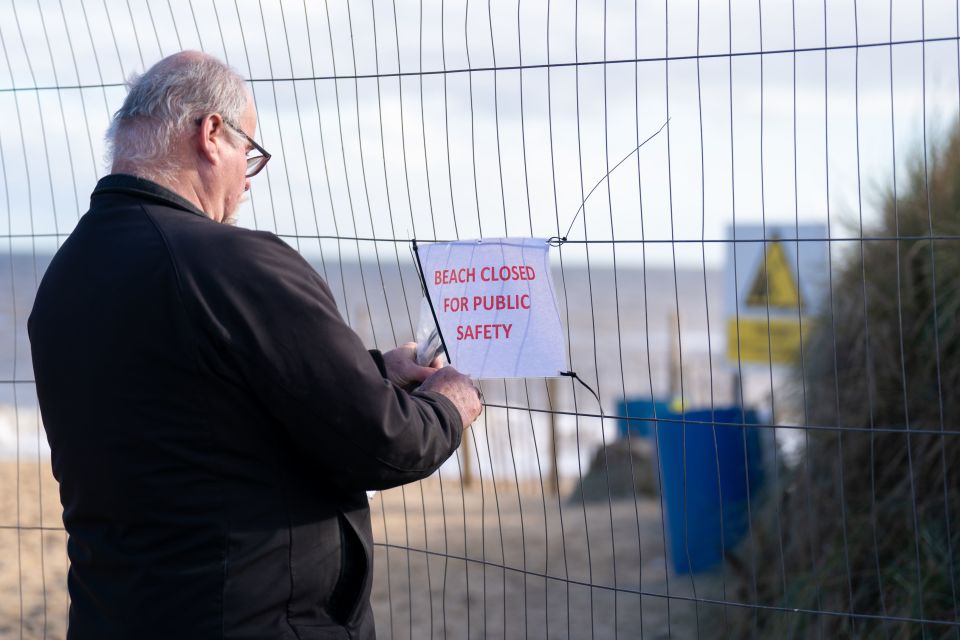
(280,323)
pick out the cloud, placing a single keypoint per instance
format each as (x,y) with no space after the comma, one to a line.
(460,153)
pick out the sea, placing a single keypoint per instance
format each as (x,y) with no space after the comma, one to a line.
(630,333)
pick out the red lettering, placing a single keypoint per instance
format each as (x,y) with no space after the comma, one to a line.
(455,304)
(510,302)
(507,273)
(455,276)
(484,331)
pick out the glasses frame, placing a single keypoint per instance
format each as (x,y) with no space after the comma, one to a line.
(256,163)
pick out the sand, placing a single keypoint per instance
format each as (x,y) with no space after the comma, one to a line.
(33,553)
(451,562)
(531,561)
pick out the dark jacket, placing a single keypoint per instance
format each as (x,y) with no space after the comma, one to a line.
(213,424)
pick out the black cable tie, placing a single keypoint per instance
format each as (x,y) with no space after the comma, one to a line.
(573,374)
(556,241)
(433,312)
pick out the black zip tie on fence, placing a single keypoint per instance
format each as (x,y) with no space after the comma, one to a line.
(426,293)
(573,374)
(556,241)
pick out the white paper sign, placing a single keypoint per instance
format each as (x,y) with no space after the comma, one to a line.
(496,306)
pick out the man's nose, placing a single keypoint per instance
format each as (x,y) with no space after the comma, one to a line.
(246,184)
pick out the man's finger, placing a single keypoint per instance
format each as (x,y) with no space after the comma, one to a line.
(419,374)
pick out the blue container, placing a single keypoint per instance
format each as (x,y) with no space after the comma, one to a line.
(641,408)
(709,465)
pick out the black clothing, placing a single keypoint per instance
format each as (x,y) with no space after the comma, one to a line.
(213,424)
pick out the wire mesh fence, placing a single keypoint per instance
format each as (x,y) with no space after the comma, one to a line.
(812,139)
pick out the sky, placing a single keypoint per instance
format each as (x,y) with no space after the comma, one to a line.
(396,120)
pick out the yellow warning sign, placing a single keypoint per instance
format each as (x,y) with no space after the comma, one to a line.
(760,341)
(774,284)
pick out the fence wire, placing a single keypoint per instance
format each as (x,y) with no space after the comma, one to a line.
(819,133)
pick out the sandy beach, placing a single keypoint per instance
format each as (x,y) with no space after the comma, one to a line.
(451,562)
(33,553)
(534,566)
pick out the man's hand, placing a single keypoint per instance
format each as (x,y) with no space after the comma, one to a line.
(459,389)
(402,367)
(403,371)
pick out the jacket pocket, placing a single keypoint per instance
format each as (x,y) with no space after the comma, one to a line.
(350,590)
(315,566)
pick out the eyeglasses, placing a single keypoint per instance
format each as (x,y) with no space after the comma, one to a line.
(255,163)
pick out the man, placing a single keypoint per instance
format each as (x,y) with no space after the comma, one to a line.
(213,423)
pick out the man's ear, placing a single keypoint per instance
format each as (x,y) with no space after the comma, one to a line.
(211,137)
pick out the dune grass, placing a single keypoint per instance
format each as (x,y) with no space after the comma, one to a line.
(869,520)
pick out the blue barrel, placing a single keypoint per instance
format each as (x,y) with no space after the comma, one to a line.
(638,410)
(710,464)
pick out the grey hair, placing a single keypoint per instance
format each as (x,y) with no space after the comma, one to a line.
(163,102)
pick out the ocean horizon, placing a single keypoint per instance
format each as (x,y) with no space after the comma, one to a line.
(620,326)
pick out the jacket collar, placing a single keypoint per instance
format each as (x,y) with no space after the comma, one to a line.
(136,186)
